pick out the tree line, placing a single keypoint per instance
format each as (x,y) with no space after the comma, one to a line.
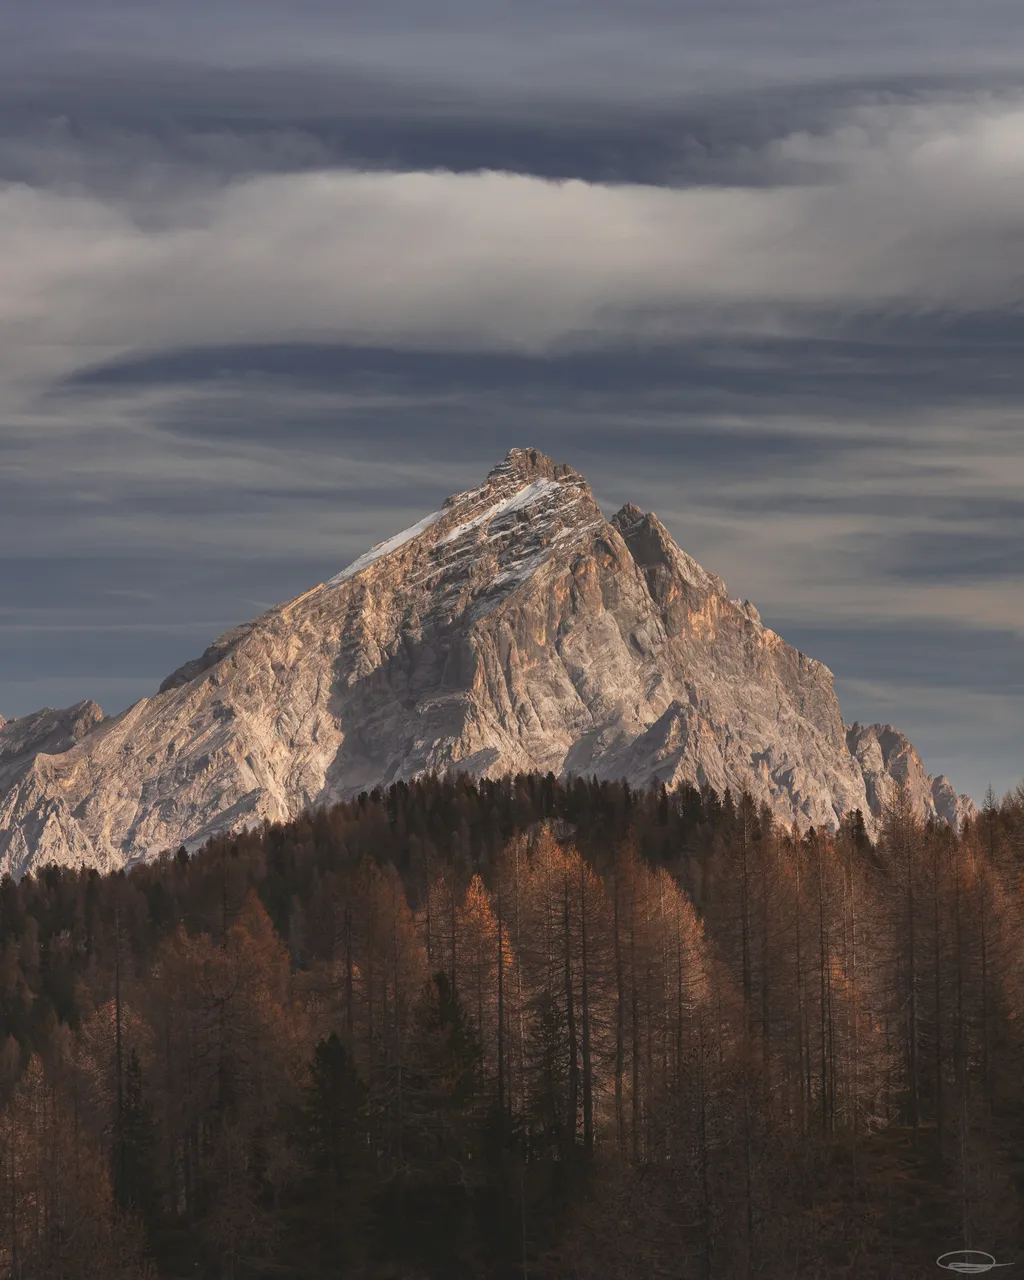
(520,1028)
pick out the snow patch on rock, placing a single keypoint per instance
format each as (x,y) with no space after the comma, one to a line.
(384,548)
(518,501)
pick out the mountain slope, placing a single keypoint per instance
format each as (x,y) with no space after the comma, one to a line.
(514,629)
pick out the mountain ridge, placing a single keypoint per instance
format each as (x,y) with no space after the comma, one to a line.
(513,629)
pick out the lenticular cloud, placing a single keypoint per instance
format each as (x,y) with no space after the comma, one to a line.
(906,208)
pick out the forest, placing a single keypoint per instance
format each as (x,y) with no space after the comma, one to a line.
(523,1029)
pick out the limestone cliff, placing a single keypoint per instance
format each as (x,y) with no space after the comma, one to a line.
(514,629)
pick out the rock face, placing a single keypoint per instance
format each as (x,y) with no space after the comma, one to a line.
(34,815)
(886,758)
(514,629)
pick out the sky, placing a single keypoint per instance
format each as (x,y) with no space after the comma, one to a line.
(276,279)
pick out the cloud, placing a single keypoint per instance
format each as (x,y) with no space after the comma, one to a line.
(800,345)
(922,214)
(607,48)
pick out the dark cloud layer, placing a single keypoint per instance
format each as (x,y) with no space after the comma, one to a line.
(609,47)
(876,359)
(177,124)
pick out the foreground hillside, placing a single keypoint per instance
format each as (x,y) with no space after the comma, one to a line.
(515,629)
(514,1028)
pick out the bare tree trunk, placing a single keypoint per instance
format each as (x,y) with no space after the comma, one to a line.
(620,1015)
(679,1005)
(915,1116)
(588,1077)
(119,1149)
(397,1008)
(983,939)
(766,1061)
(937,967)
(748,981)
(520,1010)
(454,939)
(854,1028)
(703,1155)
(823,961)
(634,1002)
(370,975)
(349,1015)
(15,1262)
(803,1046)
(501,998)
(960,1051)
(570,1017)
(748,1164)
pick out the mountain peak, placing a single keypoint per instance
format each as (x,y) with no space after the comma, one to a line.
(887,759)
(659,555)
(628,517)
(513,630)
(524,497)
(524,465)
(48,730)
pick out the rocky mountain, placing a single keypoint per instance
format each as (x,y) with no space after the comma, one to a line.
(514,629)
(886,758)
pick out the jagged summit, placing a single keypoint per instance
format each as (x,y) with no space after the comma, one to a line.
(48,730)
(887,758)
(526,489)
(515,628)
(628,514)
(520,466)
